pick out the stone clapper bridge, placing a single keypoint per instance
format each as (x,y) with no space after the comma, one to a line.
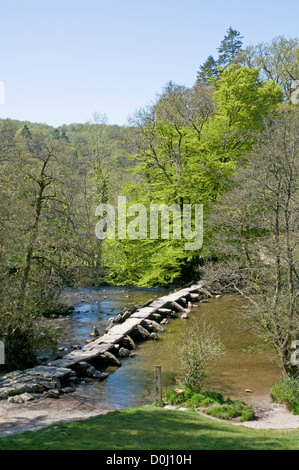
(62,375)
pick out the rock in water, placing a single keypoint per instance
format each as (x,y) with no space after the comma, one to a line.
(112,359)
(123,352)
(90,371)
(130,341)
(143,332)
(178,306)
(155,326)
(154,336)
(95,332)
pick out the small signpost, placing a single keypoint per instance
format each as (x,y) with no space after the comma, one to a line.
(158,384)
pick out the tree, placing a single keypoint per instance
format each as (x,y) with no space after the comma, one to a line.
(278,61)
(256,225)
(187,146)
(26,132)
(208,71)
(243,99)
(229,48)
(41,249)
(50,188)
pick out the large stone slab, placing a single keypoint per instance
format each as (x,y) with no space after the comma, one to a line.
(48,372)
(87,353)
(124,328)
(144,312)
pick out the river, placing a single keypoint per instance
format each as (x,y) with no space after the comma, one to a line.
(245,365)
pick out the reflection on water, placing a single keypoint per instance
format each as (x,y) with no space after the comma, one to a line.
(245,365)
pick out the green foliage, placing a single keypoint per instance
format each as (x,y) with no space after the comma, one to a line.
(210,402)
(255,232)
(51,182)
(230,47)
(216,396)
(287,391)
(207,71)
(278,61)
(184,149)
(173,398)
(237,409)
(188,145)
(158,404)
(200,347)
(143,262)
(23,335)
(198,399)
(242,100)
(189,397)
(229,52)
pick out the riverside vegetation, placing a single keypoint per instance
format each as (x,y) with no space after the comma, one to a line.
(230,142)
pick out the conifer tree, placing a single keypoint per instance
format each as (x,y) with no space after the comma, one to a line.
(230,46)
(26,132)
(207,71)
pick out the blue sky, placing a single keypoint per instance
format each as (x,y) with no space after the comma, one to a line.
(61,61)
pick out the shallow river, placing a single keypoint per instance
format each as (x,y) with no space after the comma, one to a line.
(245,365)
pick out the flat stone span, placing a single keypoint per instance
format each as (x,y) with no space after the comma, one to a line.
(63,375)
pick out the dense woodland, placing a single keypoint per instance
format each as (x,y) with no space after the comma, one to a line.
(230,143)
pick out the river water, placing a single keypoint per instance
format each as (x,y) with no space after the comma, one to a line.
(245,365)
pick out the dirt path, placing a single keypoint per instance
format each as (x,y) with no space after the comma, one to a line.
(268,415)
(34,415)
(271,415)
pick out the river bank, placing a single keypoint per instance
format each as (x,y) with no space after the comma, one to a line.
(130,386)
(118,342)
(32,416)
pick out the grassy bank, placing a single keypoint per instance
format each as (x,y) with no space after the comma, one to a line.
(150,428)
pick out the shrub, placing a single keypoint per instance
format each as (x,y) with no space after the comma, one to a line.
(172,397)
(287,391)
(211,402)
(197,399)
(216,396)
(23,335)
(200,346)
(237,409)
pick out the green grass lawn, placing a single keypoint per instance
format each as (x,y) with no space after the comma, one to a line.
(151,428)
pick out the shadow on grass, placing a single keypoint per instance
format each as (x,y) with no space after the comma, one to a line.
(151,429)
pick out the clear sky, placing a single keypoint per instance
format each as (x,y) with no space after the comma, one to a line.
(61,61)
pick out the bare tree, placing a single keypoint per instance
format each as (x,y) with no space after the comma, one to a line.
(258,223)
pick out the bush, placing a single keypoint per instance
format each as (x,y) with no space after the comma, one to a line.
(197,399)
(287,391)
(200,346)
(211,402)
(207,398)
(20,350)
(23,335)
(173,398)
(237,409)
(216,396)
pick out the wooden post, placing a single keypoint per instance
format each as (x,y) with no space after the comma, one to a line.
(158,384)
(2,353)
